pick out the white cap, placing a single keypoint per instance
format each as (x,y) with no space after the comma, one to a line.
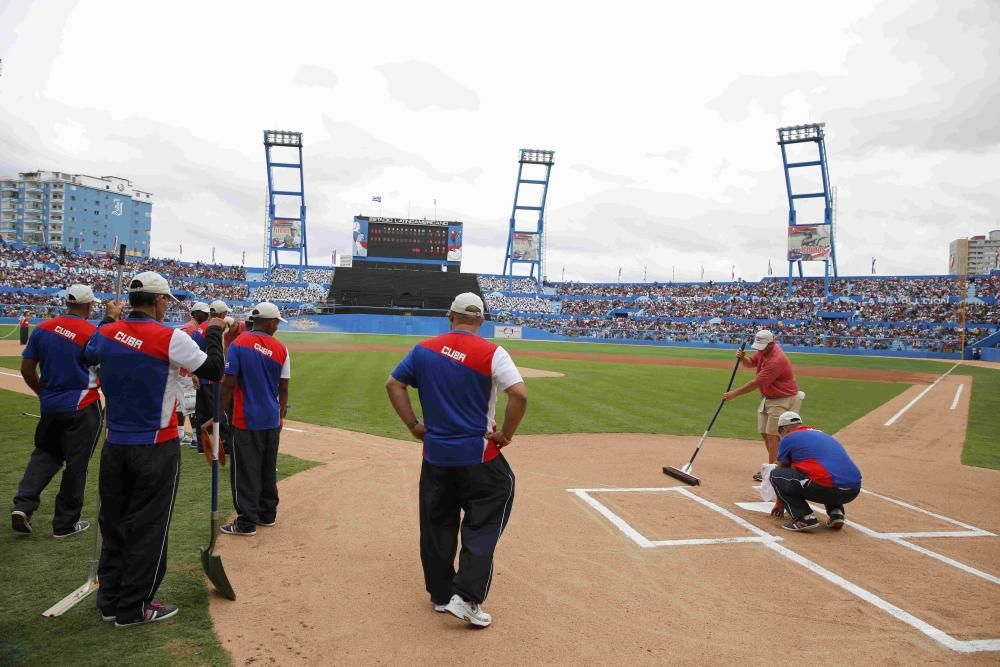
(218,306)
(200,307)
(761,340)
(266,310)
(789,418)
(466,300)
(79,294)
(150,282)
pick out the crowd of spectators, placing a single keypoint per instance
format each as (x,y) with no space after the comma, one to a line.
(285,274)
(310,293)
(500,284)
(830,334)
(521,304)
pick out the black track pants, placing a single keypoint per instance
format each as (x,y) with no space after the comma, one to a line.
(475,501)
(253,473)
(138,488)
(795,489)
(61,438)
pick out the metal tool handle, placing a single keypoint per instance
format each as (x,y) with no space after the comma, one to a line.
(121,270)
(217,389)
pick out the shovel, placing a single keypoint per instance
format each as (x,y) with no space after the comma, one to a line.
(210,562)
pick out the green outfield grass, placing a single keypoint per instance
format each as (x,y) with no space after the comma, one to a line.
(345,390)
(38,570)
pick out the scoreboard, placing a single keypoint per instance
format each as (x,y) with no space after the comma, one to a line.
(413,241)
(410,241)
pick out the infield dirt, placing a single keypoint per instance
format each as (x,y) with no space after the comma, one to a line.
(338,580)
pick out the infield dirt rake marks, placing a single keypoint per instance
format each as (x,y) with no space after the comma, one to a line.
(684,472)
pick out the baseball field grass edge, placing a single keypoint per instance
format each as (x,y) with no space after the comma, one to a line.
(39,570)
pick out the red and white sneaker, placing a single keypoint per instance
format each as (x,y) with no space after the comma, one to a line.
(154,611)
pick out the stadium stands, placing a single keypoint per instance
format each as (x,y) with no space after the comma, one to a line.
(898,313)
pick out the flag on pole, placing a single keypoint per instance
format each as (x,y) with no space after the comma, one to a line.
(703,272)
(733,272)
(873,266)
(180,249)
(114,246)
(244,260)
(377,198)
(213,255)
(770,270)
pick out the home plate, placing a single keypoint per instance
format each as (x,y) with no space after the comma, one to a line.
(764,507)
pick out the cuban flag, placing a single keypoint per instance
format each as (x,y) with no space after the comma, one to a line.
(377,198)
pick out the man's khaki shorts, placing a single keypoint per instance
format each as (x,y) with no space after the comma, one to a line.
(771,408)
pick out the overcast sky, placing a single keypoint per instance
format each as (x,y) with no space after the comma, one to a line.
(662,116)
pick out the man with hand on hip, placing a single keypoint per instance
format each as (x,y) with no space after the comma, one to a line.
(466,485)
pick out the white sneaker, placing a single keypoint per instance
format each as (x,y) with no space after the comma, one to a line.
(440,608)
(468,611)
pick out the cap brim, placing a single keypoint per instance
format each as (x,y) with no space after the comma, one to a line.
(759,346)
(282,319)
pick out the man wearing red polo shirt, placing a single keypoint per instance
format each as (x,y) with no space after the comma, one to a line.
(776,381)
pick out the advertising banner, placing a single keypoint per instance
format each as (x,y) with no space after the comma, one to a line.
(506,331)
(455,242)
(360,245)
(809,243)
(525,246)
(286,234)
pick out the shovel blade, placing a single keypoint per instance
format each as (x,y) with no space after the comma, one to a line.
(212,564)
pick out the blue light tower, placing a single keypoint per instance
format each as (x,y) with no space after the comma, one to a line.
(526,245)
(813,229)
(285,233)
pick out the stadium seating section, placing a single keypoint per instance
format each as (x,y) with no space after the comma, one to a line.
(869,313)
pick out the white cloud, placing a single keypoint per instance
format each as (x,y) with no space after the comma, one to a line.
(662,117)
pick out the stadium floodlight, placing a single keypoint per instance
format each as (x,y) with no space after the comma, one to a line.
(537,156)
(796,133)
(282,138)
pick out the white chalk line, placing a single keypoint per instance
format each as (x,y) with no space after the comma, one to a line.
(294,430)
(892,420)
(938,635)
(12,375)
(958,394)
(941,517)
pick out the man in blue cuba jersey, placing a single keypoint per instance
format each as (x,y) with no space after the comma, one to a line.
(71,414)
(466,485)
(139,359)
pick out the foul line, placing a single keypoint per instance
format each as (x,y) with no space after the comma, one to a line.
(9,374)
(772,542)
(958,393)
(892,420)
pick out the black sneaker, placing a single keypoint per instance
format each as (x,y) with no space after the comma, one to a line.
(20,522)
(233,529)
(805,523)
(78,527)
(836,520)
(155,611)
(757,477)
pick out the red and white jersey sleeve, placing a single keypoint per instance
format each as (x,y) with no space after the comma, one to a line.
(185,353)
(505,373)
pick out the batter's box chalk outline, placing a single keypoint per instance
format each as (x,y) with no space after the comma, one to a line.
(759,536)
(771,542)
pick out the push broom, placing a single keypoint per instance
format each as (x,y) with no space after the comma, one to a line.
(684,472)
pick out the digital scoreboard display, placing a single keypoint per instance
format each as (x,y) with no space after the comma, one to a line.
(408,241)
(430,241)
